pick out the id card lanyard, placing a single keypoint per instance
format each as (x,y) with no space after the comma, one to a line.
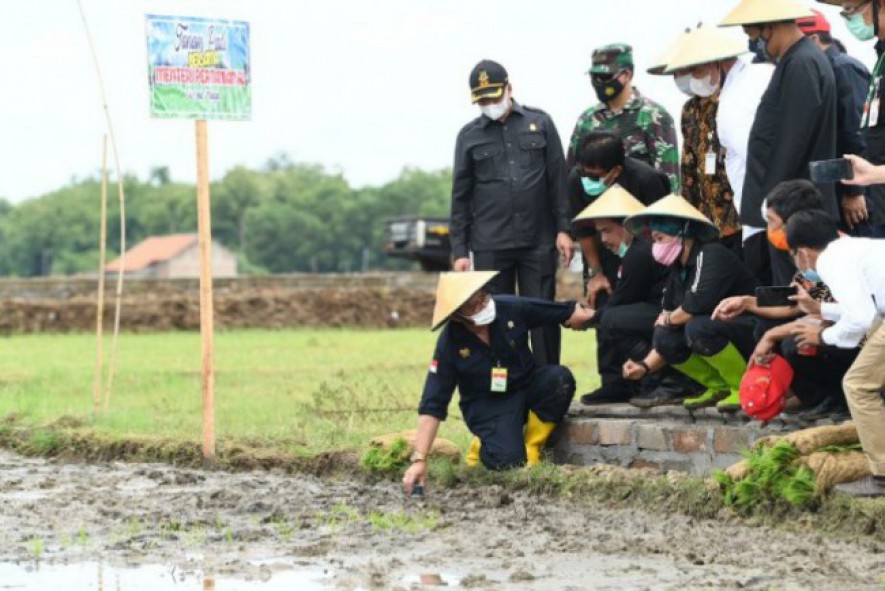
(711,158)
(871,108)
(499,379)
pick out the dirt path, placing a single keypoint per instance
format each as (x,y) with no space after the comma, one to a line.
(345,535)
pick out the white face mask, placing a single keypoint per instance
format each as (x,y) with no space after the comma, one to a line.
(497,110)
(485,316)
(703,87)
(683,83)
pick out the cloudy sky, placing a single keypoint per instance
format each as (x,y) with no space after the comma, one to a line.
(366,88)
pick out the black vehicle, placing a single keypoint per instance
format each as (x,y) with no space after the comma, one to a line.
(422,239)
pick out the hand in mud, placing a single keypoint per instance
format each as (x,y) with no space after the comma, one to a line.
(415,475)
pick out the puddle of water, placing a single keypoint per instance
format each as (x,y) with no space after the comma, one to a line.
(94,576)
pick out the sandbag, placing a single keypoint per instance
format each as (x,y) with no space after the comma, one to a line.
(441,447)
(832,468)
(808,441)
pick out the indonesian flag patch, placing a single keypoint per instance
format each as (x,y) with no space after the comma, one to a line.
(433,365)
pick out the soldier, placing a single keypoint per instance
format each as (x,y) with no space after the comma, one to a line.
(645,126)
(509,203)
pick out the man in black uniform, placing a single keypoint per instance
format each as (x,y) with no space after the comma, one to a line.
(796,120)
(509,402)
(866,21)
(625,321)
(702,273)
(509,204)
(852,84)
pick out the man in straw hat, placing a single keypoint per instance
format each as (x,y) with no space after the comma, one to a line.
(865,20)
(702,273)
(708,61)
(509,402)
(796,121)
(625,322)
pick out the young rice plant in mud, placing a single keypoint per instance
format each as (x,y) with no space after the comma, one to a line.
(377,460)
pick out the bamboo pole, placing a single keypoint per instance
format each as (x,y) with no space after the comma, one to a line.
(99,305)
(204,221)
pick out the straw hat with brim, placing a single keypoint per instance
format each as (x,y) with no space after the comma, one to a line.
(615,203)
(454,289)
(703,46)
(674,206)
(831,2)
(755,12)
(660,64)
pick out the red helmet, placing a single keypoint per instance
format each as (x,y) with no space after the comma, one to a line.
(764,388)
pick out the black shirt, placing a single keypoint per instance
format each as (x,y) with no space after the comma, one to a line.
(712,274)
(640,279)
(795,124)
(508,189)
(852,85)
(461,359)
(875,138)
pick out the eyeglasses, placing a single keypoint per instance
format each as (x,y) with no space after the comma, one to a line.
(853,10)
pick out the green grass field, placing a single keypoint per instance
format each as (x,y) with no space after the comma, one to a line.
(309,390)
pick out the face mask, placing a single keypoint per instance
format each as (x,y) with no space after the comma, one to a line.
(683,83)
(703,87)
(485,316)
(497,110)
(759,47)
(593,188)
(858,28)
(622,250)
(810,273)
(666,253)
(778,239)
(608,91)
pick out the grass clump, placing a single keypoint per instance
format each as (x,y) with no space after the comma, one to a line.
(377,460)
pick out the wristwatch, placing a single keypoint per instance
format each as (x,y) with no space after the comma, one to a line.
(593,272)
(418,457)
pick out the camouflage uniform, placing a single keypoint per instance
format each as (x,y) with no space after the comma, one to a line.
(647,129)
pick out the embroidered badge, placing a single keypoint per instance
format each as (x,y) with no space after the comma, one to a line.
(483,79)
(465,353)
(433,365)
(533,127)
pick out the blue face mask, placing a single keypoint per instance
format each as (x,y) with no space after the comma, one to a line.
(759,47)
(622,250)
(810,273)
(593,188)
(858,28)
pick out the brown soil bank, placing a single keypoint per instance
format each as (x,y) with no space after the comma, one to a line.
(376,301)
(363,535)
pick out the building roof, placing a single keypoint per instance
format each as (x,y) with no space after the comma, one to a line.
(153,250)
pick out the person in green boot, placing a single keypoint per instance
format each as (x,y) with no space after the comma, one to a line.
(702,273)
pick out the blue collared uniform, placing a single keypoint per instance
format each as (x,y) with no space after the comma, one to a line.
(462,360)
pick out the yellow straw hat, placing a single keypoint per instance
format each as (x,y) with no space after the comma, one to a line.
(703,46)
(674,206)
(615,203)
(754,12)
(454,289)
(663,60)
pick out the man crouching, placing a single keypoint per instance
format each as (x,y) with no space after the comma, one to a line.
(508,402)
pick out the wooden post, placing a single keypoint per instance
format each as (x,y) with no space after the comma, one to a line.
(204,221)
(99,307)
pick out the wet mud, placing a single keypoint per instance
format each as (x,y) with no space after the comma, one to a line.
(265,527)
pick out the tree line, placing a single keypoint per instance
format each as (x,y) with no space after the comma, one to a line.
(285,217)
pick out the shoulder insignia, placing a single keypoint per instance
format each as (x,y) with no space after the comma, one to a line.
(465,353)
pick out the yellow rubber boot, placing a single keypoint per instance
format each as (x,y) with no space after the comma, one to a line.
(471,460)
(536,434)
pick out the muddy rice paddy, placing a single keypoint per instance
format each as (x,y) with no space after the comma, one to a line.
(149,526)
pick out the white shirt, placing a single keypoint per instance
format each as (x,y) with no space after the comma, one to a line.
(854,270)
(738,101)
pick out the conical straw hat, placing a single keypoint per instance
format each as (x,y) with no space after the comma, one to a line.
(831,2)
(704,45)
(616,202)
(660,64)
(454,289)
(674,206)
(754,12)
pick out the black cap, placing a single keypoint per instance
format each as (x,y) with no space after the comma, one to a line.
(487,80)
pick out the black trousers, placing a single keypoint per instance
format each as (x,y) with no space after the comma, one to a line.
(623,332)
(819,376)
(757,258)
(706,337)
(533,271)
(498,419)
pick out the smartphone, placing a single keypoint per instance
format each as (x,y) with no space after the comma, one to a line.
(775,296)
(830,171)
